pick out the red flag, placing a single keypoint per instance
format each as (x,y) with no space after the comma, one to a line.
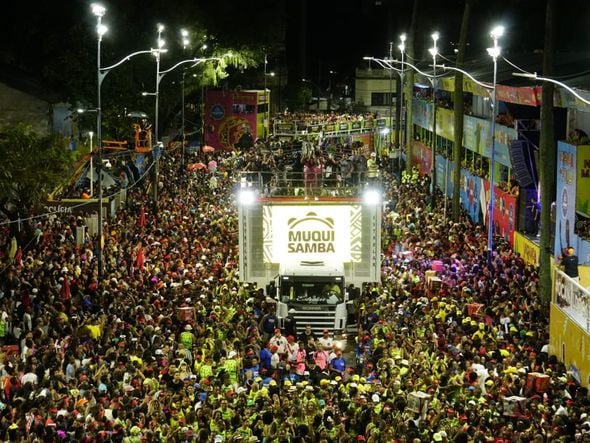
(142,216)
(65,291)
(140,258)
(18,259)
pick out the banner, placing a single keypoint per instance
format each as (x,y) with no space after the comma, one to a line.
(229,116)
(470,190)
(504,212)
(475,133)
(528,250)
(565,208)
(445,123)
(582,186)
(421,157)
(321,232)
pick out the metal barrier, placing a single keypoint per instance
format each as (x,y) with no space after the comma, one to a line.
(297,184)
(572,298)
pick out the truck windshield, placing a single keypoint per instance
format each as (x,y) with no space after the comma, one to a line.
(312,293)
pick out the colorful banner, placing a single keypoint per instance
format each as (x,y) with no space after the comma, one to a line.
(582,185)
(229,116)
(470,190)
(421,157)
(445,123)
(528,96)
(475,133)
(565,208)
(506,94)
(423,114)
(444,170)
(528,250)
(504,212)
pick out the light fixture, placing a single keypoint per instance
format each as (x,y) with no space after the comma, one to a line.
(246,197)
(497,32)
(372,197)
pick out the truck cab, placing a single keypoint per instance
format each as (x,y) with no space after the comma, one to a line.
(315,291)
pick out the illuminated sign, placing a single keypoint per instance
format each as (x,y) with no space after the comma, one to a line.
(302,232)
(311,241)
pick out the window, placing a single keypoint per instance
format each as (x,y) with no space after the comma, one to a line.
(382,99)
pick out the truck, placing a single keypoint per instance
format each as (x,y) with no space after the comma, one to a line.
(311,255)
(313,292)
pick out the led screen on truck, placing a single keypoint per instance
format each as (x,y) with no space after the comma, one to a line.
(330,232)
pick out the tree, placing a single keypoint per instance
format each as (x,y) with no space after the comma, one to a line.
(459,109)
(409,92)
(32,166)
(547,154)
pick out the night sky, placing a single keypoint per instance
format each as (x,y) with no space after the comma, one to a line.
(318,36)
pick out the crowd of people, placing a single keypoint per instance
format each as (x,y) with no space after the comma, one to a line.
(168,345)
(305,119)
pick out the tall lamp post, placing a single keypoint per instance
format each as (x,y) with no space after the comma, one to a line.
(185,42)
(265,99)
(391,98)
(99,11)
(156,140)
(101,72)
(494,52)
(159,76)
(401,136)
(434,52)
(90,135)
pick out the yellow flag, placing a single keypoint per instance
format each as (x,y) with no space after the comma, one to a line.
(12,250)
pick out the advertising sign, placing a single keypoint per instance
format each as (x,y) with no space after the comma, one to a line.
(470,190)
(504,212)
(528,250)
(230,115)
(421,157)
(582,184)
(565,201)
(302,232)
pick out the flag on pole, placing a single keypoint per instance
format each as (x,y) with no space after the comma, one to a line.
(18,258)
(140,259)
(65,290)
(142,217)
(12,249)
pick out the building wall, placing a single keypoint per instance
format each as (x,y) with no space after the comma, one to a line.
(19,107)
(369,81)
(570,343)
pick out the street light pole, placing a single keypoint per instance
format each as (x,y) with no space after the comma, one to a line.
(101,72)
(155,140)
(494,52)
(90,134)
(99,11)
(434,51)
(402,136)
(391,98)
(265,100)
(185,42)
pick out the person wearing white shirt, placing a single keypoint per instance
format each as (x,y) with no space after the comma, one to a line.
(325,341)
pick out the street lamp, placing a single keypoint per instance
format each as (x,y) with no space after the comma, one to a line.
(99,11)
(185,43)
(401,139)
(159,76)
(391,97)
(90,134)
(434,51)
(494,52)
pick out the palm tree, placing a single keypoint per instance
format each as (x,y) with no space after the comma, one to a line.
(410,87)
(459,110)
(547,154)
